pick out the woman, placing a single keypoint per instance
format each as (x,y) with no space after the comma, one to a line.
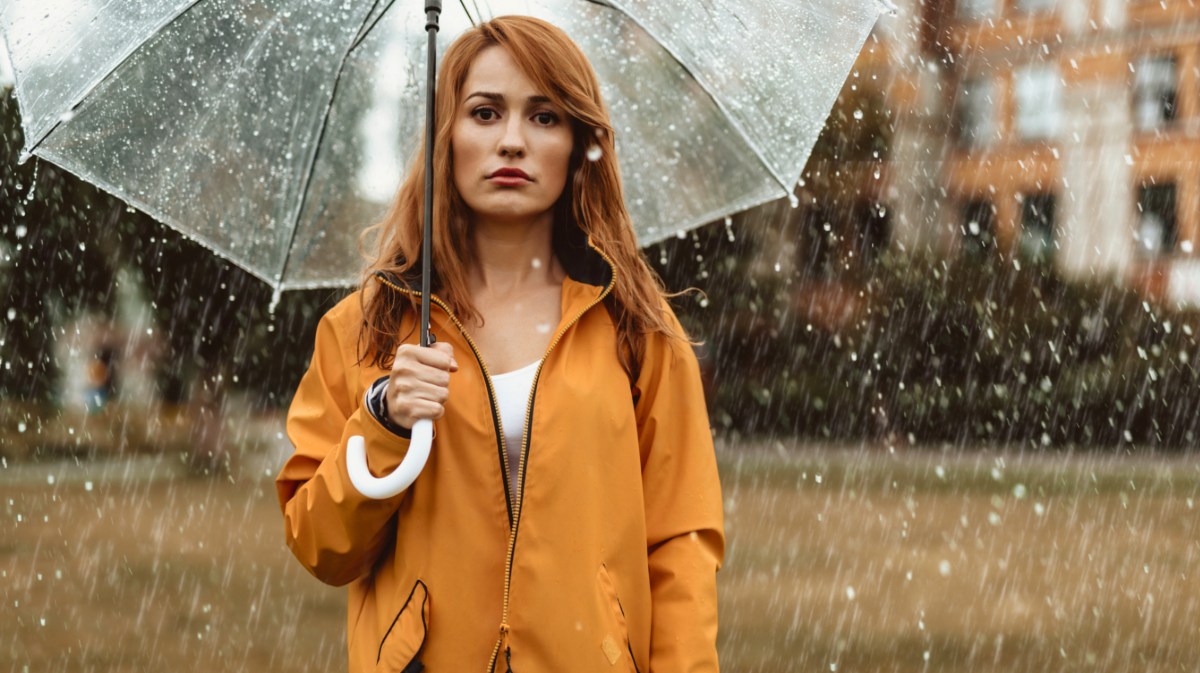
(569,517)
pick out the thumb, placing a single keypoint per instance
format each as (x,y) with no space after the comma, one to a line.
(448,350)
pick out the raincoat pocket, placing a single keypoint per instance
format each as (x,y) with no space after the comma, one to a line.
(400,650)
(616,645)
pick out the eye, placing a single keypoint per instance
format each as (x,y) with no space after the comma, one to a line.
(546,118)
(482,111)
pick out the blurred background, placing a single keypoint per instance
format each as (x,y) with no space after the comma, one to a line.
(953,383)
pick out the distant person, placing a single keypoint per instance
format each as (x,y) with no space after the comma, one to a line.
(100,379)
(569,518)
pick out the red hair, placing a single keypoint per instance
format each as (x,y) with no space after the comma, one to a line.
(593,201)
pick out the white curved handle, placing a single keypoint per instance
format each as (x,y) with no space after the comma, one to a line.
(400,478)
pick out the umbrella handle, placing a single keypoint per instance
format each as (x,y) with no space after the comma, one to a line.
(402,477)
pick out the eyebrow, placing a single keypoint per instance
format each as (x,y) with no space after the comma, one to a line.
(499,98)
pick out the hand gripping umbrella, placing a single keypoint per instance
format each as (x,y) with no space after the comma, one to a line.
(422,431)
(272,132)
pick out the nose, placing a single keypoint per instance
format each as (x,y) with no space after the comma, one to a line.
(512,143)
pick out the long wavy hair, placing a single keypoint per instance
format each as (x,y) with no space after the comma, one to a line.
(593,200)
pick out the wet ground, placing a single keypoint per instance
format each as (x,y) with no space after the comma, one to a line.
(838,560)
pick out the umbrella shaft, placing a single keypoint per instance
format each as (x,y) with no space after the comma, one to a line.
(432,9)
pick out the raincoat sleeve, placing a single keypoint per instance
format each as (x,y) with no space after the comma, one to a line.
(332,529)
(684,518)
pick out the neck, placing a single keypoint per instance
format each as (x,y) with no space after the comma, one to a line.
(512,256)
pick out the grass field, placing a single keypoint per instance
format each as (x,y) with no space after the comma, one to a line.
(837,560)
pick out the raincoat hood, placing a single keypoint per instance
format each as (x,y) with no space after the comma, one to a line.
(604,560)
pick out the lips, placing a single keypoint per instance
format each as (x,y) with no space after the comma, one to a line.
(510,173)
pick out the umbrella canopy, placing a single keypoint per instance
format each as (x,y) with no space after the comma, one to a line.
(273,131)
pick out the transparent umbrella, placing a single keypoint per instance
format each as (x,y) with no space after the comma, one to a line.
(273,131)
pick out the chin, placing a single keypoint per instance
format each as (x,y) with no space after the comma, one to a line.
(489,208)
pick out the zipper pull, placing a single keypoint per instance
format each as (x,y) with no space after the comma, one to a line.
(508,659)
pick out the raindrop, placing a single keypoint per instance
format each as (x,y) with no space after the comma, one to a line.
(944,568)
(850,593)
(87,486)
(21,231)
(858,114)
(594,153)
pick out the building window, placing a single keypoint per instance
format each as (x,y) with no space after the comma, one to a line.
(1037,226)
(978,229)
(976,9)
(1156,232)
(1154,91)
(1035,6)
(974,112)
(1039,101)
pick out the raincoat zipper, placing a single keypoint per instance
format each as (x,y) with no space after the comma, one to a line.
(525,439)
(514,517)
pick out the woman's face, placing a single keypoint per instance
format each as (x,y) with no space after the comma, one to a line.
(503,122)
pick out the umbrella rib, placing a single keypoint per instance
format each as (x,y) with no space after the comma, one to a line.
(783,182)
(100,80)
(312,161)
(466,11)
(366,30)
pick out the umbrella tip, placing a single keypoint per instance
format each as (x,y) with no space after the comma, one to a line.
(276,293)
(23,157)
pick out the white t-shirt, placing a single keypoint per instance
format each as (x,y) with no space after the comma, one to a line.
(512,397)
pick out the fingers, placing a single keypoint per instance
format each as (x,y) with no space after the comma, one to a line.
(419,384)
(408,388)
(422,409)
(448,350)
(439,355)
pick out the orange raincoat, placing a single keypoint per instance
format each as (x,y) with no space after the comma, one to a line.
(606,562)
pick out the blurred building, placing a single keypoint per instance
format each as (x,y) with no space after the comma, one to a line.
(1063,131)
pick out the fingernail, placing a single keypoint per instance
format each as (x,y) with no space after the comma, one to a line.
(454,363)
